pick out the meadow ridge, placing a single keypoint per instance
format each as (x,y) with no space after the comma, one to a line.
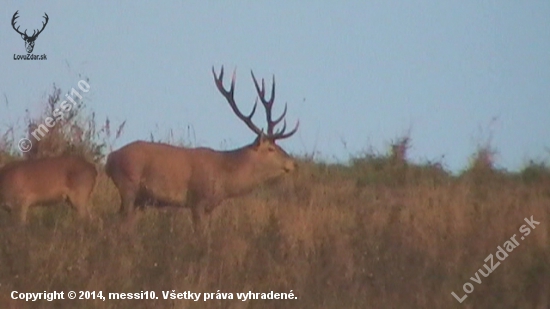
(375,232)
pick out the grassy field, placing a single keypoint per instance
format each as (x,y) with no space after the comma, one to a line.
(375,233)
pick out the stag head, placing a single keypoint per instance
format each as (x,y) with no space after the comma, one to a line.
(271,159)
(29,40)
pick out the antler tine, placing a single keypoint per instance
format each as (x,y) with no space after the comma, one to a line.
(261,92)
(229,96)
(233,79)
(276,121)
(253,111)
(272,91)
(281,135)
(282,130)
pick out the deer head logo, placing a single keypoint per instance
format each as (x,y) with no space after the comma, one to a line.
(29,40)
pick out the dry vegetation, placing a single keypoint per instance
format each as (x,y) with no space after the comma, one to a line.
(375,233)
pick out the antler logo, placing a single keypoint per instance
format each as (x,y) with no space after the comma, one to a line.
(29,40)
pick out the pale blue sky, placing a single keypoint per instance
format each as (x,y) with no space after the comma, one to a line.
(356,73)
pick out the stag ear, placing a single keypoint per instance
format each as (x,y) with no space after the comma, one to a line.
(261,140)
(263,137)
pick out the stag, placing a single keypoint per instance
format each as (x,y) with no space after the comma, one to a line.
(28,183)
(29,40)
(157,174)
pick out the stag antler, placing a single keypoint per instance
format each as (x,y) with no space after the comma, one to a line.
(229,96)
(268,105)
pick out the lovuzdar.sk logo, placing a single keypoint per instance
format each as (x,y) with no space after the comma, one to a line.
(29,39)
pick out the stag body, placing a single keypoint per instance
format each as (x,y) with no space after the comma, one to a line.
(198,178)
(65,178)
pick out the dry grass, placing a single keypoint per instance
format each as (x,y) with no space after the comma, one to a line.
(374,234)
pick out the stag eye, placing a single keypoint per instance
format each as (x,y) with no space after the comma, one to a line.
(271,149)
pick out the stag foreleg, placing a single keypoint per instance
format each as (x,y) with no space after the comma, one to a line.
(201,210)
(22,210)
(197,215)
(128,210)
(80,202)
